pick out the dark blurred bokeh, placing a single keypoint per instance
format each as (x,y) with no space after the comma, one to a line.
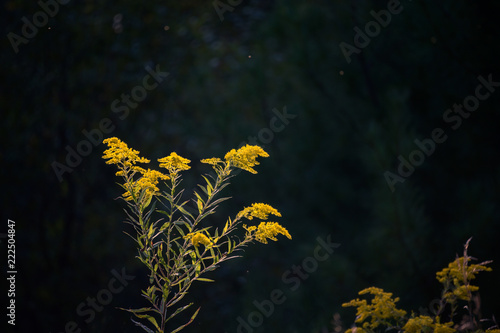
(265,72)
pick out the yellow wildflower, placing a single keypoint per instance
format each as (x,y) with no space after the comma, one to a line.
(147,183)
(419,324)
(381,309)
(211,161)
(444,328)
(174,163)
(267,230)
(120,154)
(426,324)
(457,276)
(355,330)
(198,238)
(245,157)
(258,210)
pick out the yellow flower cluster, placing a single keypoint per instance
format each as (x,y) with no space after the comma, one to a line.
(245,157)
(258,210)
(267,230)
(418,324)
(211,161)
(120,154)
(457,276)
(381,309)
(125,158)
(174,163)
(148,181)
(198,238)
(426,324)
(444,328)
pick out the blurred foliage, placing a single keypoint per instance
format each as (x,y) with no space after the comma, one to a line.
(225,79)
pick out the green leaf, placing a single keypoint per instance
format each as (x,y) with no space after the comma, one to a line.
(183,210)
(205,280)
(164,226)
(179,310)
(151,231)
(226,226)
(150,318)
(203,189)
(209,186)
(153,321)
(219,201)
(179,229)
(189,322)
(137,310)
(147,201)
(166,290)
(164,213)
(144,327)
(199,202)
(193,256)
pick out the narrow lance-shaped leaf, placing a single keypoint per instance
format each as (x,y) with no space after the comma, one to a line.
(189,322)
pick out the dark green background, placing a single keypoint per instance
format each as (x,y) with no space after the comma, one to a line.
(326,167)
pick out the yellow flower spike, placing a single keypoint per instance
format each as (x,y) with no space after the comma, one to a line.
(174,163)
(211,161)
(258,210)
(460,272)
(381,309)
(198,238)
(444,328)
(245,157)
(119,153)
(419,324)
(268,230)
(148,181)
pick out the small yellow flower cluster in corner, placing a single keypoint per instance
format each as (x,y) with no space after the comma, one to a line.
(459,273)
(382,310)
(198,238)
(426,324)
(265,230)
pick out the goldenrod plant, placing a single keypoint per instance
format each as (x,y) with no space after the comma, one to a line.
(176,249)
(381,314)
